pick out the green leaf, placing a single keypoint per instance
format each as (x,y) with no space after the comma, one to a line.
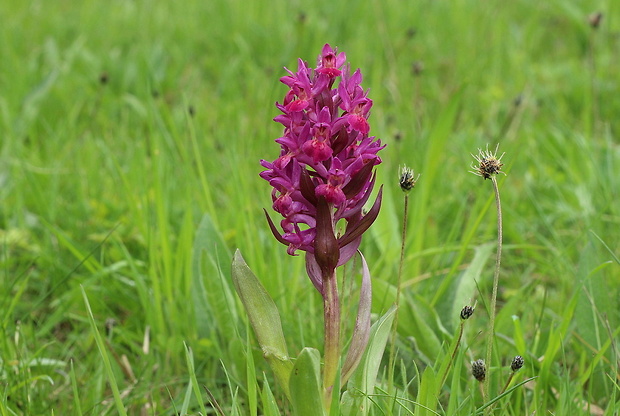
(437,143)
(107,365)
(596,315)
(264,318)
(210,257)
(465,287)
(444,362)
(77,407)
(383,296)
(305,384)
(251,378)
(456,398)
(193,381)
(456,291)
(427,399)
(609,250)
(423,316)
(519,336)
(270,408)
(556,339)
(480,410)
(363,380)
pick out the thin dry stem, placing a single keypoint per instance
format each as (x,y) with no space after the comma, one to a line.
(452,356)
(504,389)
(398,289)
(491,330)
(483,392)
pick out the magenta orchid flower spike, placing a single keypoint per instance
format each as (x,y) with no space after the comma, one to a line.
(321,181)
(324,174)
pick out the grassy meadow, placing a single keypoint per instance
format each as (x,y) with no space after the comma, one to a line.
(130,138)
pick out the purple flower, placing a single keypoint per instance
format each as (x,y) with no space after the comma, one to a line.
(324,174)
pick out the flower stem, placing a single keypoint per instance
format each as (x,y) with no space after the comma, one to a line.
(502,391)
(331,310)
(491,330)
(507,384)
(452,356)
(483,393)
(398,284)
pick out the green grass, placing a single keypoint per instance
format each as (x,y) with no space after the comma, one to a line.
(124,123)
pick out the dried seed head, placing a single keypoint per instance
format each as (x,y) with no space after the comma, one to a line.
(467,312)
(488,163)
(407,179)
(110,323)
(517,363)
(417,68)
(479,370)
(595,20)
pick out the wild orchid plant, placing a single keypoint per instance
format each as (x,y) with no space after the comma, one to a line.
(321,181)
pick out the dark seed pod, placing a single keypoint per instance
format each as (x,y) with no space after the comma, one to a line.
(517,363)
(479,370)
(467,312)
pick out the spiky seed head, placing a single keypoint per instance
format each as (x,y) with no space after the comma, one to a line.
(488,163)
(407,179)
(479,370)
(467,312)
(517,363)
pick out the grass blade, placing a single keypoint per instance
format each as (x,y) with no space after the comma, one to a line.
(104,356)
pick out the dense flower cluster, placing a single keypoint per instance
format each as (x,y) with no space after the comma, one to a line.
(324,173)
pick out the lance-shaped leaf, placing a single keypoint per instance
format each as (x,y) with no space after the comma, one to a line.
(361,332)
(305,384)
(264,318)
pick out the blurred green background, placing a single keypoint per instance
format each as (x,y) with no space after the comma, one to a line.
(122,123)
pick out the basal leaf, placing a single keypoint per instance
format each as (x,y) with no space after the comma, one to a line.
(305,384)
(264,318)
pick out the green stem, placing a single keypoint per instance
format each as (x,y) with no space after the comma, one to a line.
(491,330)
(331,311)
